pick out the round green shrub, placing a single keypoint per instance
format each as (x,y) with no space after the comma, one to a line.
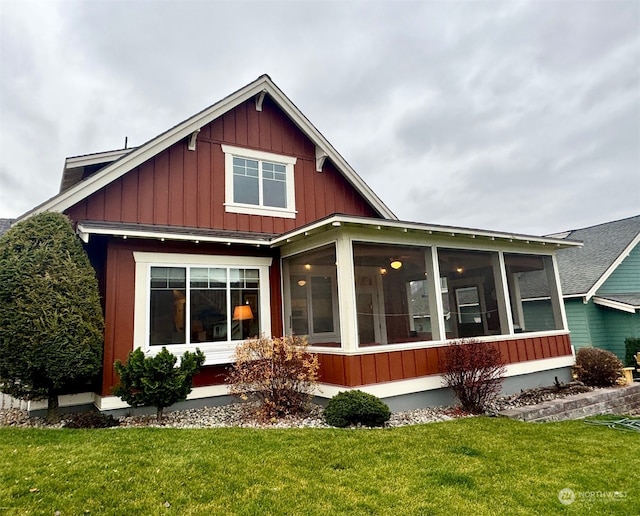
(597,367)
(356,407)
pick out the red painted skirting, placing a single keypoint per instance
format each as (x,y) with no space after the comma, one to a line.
(356,370)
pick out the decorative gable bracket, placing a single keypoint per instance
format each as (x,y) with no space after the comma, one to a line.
(260,100)
(321,156)
(191,145)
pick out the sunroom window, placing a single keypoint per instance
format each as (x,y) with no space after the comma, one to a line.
(392,294)
(530,293)
(259,183)
(313,296)
(473,293)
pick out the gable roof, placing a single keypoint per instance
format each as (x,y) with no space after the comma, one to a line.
(257,89)
(584,270)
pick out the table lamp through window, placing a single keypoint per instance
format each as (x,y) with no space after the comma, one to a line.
(242,313)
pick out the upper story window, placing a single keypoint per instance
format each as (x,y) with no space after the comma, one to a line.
(259,183)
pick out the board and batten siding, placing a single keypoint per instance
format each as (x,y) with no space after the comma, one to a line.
(119,296)
(367,369)
(186,188)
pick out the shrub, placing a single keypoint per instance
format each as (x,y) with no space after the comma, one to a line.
(356,407)
(597,367)
(50,315)
(279,373)
(155,380)
(475,372)
(632,347)
(90,419)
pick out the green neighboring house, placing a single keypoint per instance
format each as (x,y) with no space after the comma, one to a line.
(600,285)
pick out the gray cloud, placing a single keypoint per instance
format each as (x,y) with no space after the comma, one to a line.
(518,116)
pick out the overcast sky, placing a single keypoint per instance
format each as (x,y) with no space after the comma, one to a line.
(512,116)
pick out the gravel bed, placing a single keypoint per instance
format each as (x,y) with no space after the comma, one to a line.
(233,415)
(236,415)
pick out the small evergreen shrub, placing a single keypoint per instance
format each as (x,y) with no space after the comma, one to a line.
(356,408)
(155,380)
(279,373)
(90,419)
(597,367)
(475,372)
(632,347)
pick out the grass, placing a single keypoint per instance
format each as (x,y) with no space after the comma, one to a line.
(467,466)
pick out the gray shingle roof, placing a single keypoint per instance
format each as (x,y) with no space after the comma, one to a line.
(632,300)
(5,225)
(582,267)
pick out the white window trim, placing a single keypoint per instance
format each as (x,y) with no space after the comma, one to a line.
(251,209)
(215,352)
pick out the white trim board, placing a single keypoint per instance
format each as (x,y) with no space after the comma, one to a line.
(627,251)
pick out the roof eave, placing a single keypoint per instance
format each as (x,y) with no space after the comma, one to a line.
(339,220)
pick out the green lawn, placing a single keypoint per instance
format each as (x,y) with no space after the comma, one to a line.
(466,466)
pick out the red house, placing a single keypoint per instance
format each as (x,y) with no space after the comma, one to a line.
(244,220)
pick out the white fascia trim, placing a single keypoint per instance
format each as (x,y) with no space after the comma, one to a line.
(433,382)
(338,220)
(80,191)
(93,159)
(325,147)
(616,305)
(84,232)
(146,151)
(613,267)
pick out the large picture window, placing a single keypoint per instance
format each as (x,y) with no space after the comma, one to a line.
(203,303)
(219,304)
(259,183)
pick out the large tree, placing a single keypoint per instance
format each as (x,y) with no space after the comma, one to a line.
(51,323)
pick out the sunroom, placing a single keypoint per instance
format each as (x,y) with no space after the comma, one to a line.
(358,286)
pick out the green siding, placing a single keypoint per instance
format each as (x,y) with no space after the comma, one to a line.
(619,326)
(600,327)
(626,278)
(578,320)
(538,316)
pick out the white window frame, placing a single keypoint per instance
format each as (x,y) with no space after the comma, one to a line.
(324,272)
(258,209)
(215,352)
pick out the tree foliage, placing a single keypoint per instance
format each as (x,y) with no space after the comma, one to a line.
(279,373)
(475,372)
(51,323)
(154,380)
